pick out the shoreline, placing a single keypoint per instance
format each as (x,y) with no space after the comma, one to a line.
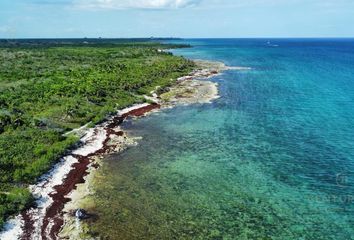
(51,192)
(59,187)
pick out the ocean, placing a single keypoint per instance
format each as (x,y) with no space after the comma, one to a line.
(272,158)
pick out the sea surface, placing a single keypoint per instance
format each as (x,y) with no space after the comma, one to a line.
(272,158)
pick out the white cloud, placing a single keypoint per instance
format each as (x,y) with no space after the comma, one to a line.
(143,4)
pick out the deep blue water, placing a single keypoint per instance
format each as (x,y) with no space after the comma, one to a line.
(272,158)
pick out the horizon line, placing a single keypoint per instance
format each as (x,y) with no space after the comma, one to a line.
(157,38)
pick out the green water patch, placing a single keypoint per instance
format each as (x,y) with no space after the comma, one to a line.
(180,184)
(272,158)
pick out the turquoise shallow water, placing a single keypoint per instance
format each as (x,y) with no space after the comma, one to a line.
(273,158)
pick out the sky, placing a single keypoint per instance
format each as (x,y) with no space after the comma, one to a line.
(176,18)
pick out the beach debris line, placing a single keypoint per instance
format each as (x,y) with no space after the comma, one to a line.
(46,219)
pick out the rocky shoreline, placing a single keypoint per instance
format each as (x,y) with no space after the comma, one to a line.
(63,190)
(190,89)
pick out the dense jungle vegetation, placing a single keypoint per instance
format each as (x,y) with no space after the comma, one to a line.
(50,87)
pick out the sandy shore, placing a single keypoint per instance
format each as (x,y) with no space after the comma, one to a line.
(51,192)
(66,187)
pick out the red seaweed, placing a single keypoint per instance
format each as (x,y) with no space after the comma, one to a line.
(53,220)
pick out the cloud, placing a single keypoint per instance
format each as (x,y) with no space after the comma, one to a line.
(137,4)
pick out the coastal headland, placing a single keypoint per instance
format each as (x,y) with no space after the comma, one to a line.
(48,89)
(62,191)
